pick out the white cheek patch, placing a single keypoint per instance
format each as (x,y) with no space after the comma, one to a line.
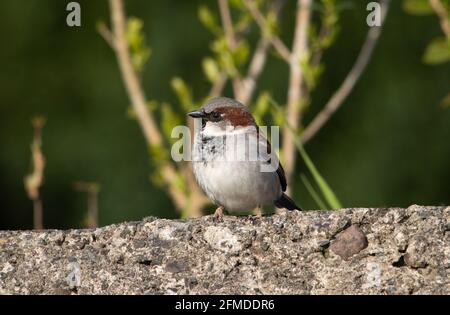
(212,129)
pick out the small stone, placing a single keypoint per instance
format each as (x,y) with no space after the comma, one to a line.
(349,242)
(175,267)
(295,235)
(73,278)
(139,243)
(72,259)
(415,256)
(401,241)
(222,239)
(125,232)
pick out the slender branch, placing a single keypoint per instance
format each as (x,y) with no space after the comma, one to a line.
(107,35)
(254,71)
(91,189)
(296,87)
(34,181)
(137,97)
(441,12)
(349,82)
(131,80)
(230,36)
(38,214)
(276,42)
(227,23)
(191,202)
(258,61)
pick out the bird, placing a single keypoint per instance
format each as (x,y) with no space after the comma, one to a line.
(236,184)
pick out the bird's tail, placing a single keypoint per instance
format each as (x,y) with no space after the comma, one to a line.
(286,202)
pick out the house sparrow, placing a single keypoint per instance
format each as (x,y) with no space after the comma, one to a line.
(232,159)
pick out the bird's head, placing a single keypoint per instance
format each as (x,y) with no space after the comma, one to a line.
(223,114)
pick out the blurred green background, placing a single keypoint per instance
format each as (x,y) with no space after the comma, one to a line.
(387,146)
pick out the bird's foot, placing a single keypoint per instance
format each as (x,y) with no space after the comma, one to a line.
(258,212)
(218,214)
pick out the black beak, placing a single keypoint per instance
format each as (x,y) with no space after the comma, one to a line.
(198,113)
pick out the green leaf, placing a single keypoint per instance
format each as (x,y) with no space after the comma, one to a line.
(208,19)
(262,105)
(169,120)
(326,190)
(238,4)
(183,93)
(157,179)
(243,22)
(158,153)
(278,115)
(180,182)
(139,59)
(311,72)
(225,57)
(227,63)
(417,7)
(241,54)
(272,23)
(437,52)
(140,52)
(211,69)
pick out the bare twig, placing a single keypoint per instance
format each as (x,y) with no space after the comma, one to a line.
(138,100)
(258,61)
(131,80)
(38,213)
(349,82)
(34,181)
(227,23)
(296,87)
(193,202)
(92,190)
(256,66)
(230,36)
(107,35)
(441,12)
(276,42)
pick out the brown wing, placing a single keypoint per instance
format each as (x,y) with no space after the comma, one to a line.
(280,170)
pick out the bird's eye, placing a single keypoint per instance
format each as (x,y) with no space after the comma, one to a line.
(215,115)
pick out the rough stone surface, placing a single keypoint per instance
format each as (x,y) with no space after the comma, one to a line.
(387,251)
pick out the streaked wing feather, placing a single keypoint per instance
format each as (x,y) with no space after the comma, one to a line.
(280,170)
